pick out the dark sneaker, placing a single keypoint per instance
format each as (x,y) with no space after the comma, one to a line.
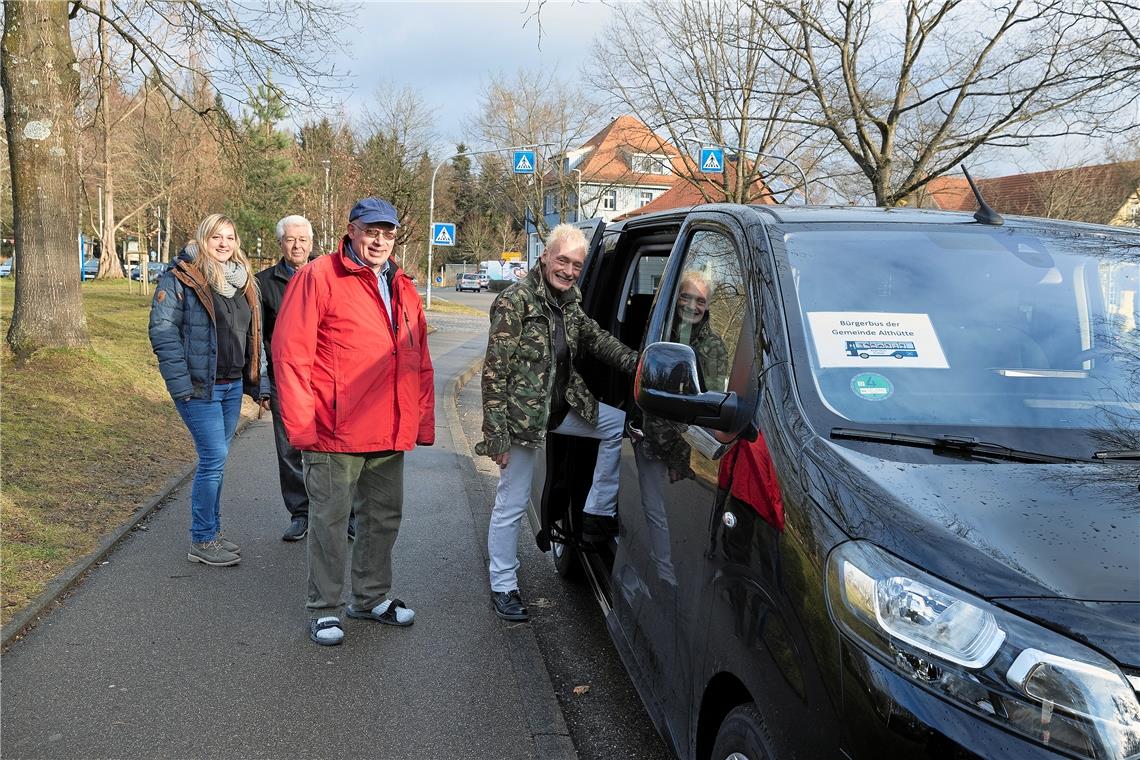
(326,631)
(351,528)
(297,529)
(508,605)
(229,546)
(211,553)
(598,528)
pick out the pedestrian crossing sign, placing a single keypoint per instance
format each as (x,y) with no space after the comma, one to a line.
(524,162)
(712,159)
(442,233)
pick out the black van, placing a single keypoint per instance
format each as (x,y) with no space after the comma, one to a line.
(872,554)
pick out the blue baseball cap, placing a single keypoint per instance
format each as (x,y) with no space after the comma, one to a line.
(374,211)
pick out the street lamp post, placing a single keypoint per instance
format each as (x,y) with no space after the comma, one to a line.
(431,201)
(578,196)
(326,211)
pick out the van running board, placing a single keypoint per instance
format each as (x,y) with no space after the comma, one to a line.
(557,536)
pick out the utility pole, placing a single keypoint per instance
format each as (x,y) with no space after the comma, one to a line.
(326,210)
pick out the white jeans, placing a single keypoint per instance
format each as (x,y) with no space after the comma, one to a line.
(514,489)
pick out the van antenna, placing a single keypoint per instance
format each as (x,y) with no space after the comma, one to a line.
(984,214)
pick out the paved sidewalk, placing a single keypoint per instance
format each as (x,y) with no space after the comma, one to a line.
(152,656)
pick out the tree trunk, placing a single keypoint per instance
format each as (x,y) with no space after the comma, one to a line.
(109,267)
(41,91)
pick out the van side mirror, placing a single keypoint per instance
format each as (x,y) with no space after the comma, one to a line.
(667,384)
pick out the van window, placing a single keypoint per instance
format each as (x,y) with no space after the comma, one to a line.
(971,326)
(709,306)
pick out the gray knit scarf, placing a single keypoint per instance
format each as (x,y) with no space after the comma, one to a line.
(235,279)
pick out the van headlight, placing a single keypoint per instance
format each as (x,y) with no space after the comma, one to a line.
(998,665)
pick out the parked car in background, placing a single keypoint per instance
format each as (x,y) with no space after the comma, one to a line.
(90,269)
(484,280)
(829,551)
(6,268)
(154,270)
(468,281)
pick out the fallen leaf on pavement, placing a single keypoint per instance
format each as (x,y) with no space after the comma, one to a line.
(580,690)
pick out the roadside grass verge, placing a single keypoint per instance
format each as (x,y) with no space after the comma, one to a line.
(443,306)
(85,437)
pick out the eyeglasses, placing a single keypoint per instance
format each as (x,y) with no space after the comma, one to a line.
(373,233)
(291,240)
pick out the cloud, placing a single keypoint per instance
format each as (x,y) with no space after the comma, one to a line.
(447,51)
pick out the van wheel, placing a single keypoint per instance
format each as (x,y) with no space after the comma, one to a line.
(743,736)
(566,560)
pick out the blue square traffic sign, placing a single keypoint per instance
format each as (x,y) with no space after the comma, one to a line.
(442,233)
(524,162)
(712,159)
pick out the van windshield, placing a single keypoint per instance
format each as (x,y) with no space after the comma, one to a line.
(971,326)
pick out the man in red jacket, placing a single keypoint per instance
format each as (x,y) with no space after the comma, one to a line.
(355,383)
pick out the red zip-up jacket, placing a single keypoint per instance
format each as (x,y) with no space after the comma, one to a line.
(349,378)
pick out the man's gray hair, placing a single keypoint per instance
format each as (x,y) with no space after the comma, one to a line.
(566,235)
(293,220)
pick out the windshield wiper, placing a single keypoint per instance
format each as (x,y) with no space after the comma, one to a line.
(957,444)
(1122,454)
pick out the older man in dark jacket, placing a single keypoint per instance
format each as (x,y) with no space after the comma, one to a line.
(295,236)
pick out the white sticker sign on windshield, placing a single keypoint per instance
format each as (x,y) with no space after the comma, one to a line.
(875,339)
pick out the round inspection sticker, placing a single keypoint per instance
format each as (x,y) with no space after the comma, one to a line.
(871,386)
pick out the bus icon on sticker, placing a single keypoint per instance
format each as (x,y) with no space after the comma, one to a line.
(865,349)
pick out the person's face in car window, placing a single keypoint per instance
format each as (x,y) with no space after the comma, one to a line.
(693,300)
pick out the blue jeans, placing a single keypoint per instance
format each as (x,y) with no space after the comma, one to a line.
(212,423)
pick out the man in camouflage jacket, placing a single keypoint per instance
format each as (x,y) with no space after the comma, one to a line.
(530,387)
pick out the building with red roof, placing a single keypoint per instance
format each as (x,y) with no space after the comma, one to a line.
(1101,194)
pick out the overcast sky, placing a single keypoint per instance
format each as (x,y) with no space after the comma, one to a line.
(447,51)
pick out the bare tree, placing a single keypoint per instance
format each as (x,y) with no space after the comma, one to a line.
(698,72)
(396,138)
(1085,194)
(533,108)
(233,44)
(910,96)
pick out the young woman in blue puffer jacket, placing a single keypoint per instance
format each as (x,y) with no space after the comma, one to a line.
(205,329)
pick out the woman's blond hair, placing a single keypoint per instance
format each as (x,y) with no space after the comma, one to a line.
(207,265)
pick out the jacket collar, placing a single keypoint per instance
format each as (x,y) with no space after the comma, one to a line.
(283,271)
(185,270)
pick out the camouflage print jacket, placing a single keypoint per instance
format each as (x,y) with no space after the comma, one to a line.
(518,372)
(663,437)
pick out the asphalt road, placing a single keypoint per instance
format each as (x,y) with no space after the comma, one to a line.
(608,720)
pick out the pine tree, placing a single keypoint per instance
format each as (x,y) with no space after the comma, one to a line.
(270,182)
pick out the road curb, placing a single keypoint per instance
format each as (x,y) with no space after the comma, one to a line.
(541,708)
(27,618)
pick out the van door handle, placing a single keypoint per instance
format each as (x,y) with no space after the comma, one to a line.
(729,520)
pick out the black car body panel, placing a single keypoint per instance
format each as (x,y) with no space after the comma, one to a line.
(715,602)
(984,509)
